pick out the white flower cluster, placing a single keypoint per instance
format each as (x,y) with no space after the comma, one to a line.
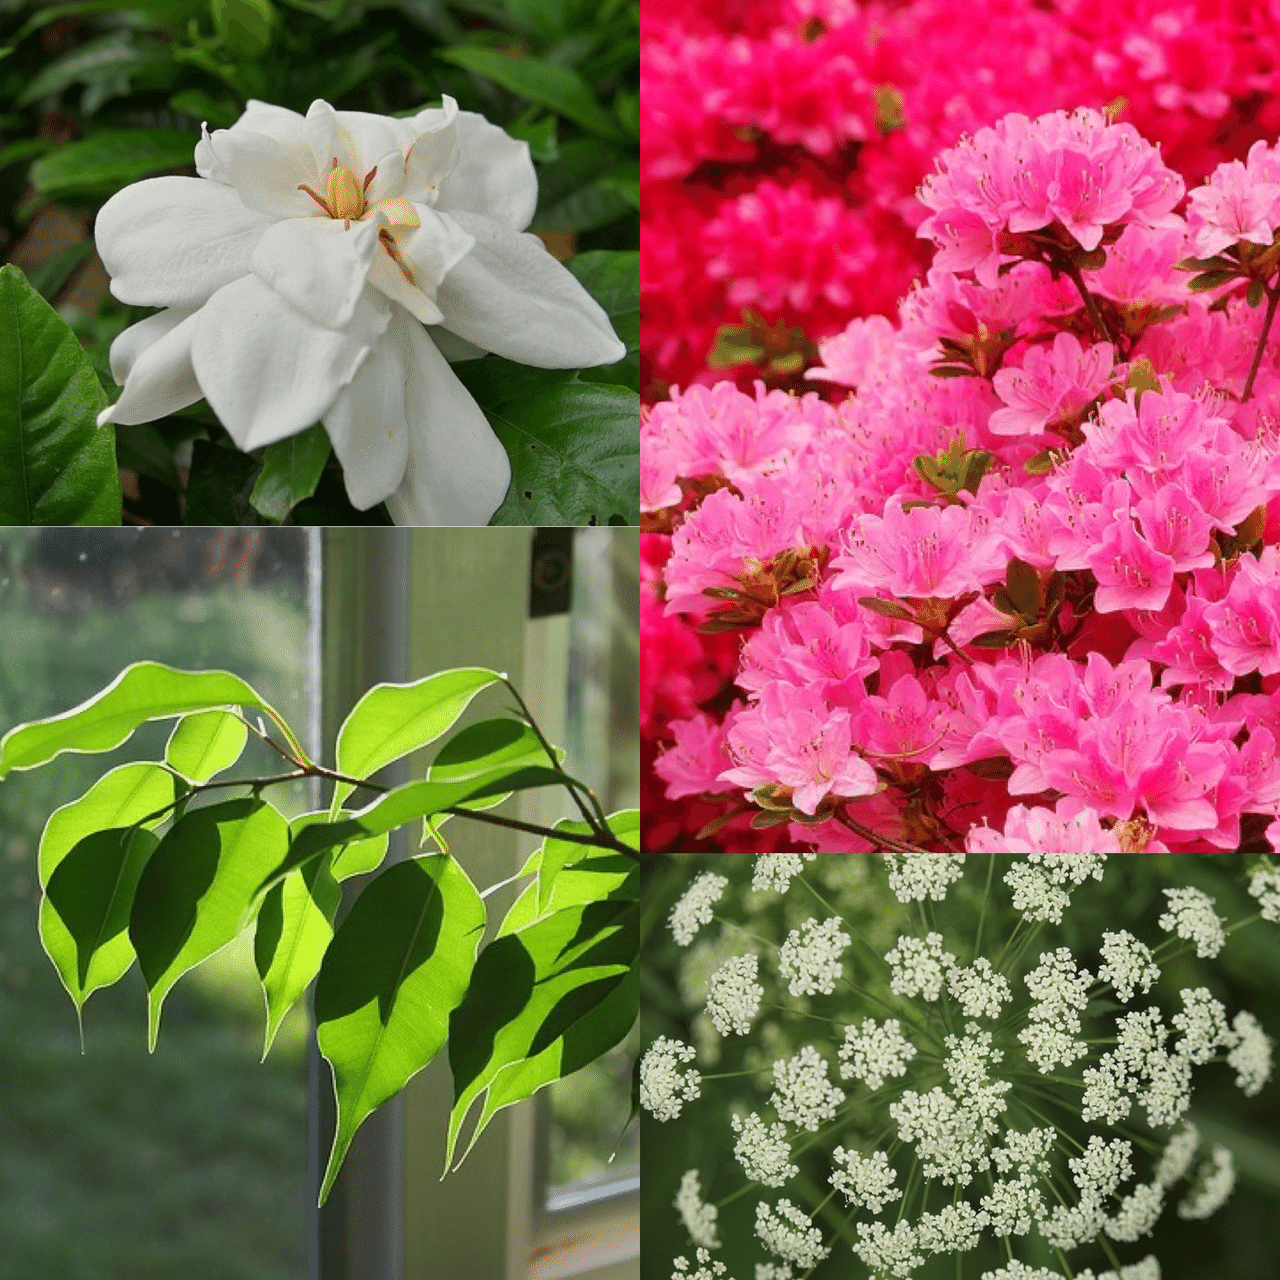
(979,990)
(1191,916)
(694,908)
(1264,885)
(734,995)
(1250,1054)
(763,1151)
(914,877)
(1147,1269)
(1127,963)
(802,1093)
(789,1233)
(1216,1179)
(919,966)
(875,1050)
(779,1271)
(1203,1024)
(699,1219)
(664,1088)
(867,1181)
(707,1269)
(1061,992)
(809,960)
(775,871)
(1038,884)
(889,1253)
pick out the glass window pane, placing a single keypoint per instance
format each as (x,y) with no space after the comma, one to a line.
(191,1162)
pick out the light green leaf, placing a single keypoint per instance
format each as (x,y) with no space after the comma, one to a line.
(57,466)
(121,798)
(141,692)
(84,915)
(196,893)
(559,854)
(355,858)
(205,743)
(294,929)
(291,469)
(547,83)
(599,876)
(112,159)
(397,967)
(394,720)
(542,1002)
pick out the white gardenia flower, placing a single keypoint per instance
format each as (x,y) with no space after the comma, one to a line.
(327,268)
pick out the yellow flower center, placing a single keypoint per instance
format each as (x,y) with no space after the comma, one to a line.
(344,199)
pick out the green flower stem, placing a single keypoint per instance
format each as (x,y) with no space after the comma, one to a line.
(982,914)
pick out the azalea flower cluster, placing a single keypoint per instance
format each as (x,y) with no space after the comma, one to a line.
(1014,1110)
(784,139)
(1020,588)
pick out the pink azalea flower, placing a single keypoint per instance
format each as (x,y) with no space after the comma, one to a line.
(1040,830)
(1131,573)
(1235,204)
(1051,386)
(694,764)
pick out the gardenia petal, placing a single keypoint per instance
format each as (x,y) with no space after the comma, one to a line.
(265,173)
(367,425)
(269,372)
(458,472)
(174,242)
(317,265)
(152,359)
(434,153)
(511,297)
(494,175)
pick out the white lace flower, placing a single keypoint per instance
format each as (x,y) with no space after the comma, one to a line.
(954,1228)
(1020,1271)
(1250,1054)
(734,995)
(763,1151)
(774,871)
(1127,964)
(802,1093)
(1147,1269)
(693,910)
(979,990)
(1168,1092)
(874,1051)
(699,1218)
(789,1233)
(809,960)
(1216,1179)
(327,268)
(919,967)
(1191,916)
(1203,1024)
(1264,885)
(1061,992)
(707,1268)
(1027,1152)
(913,877)
(866,1181)
(1138,1213)
(889,1253)
(1178,1153)
(1101,1167)
(1013,1206)
(778,1271)
(664,1088)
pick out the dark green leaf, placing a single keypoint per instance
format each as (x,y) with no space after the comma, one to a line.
(196,892)
(613,280)
(544,145)
(112,160)
(592,206)
(1023,584)
(220,485)
(887,608)
(1210,280)
(397,967)
(56,465)
(546,83)
(1039,465)
(993,640)
(144,450)
(115,55)
(291,469)
(1255,293)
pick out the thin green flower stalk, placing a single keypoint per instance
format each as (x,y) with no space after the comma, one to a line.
(954,1091)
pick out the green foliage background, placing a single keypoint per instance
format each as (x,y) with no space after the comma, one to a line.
(1237,1243)
(95,95)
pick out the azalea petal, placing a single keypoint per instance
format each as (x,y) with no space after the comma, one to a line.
(368,428)
(434,153)
(265,173)
(458,472)
(173,242)
(511,297)
(317,265)
(153,360)
(269,372)
(494,175)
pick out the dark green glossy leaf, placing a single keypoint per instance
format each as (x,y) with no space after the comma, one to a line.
(115,55)
(592,206)
(613,280)
(56,465)
(397,967)
(49,277)
(220,486)
(546,83)
(291,469)
(197,891)
(144,450)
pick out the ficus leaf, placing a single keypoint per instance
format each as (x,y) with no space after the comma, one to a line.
(394,720)
(556,855)
(597,876)
(57,466)
(196,892)
(84,916)
(356,857)
(397,967)
(542,1002)
(205,743)
(141,692)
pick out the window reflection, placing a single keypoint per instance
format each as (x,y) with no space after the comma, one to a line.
(191,1162)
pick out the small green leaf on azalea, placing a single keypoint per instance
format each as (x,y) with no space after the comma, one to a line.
(1256,292)
(1023,584)
(1210,280)
(887,608)
(993,640)
(1039,465)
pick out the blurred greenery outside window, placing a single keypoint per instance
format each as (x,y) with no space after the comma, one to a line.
(219,1141)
